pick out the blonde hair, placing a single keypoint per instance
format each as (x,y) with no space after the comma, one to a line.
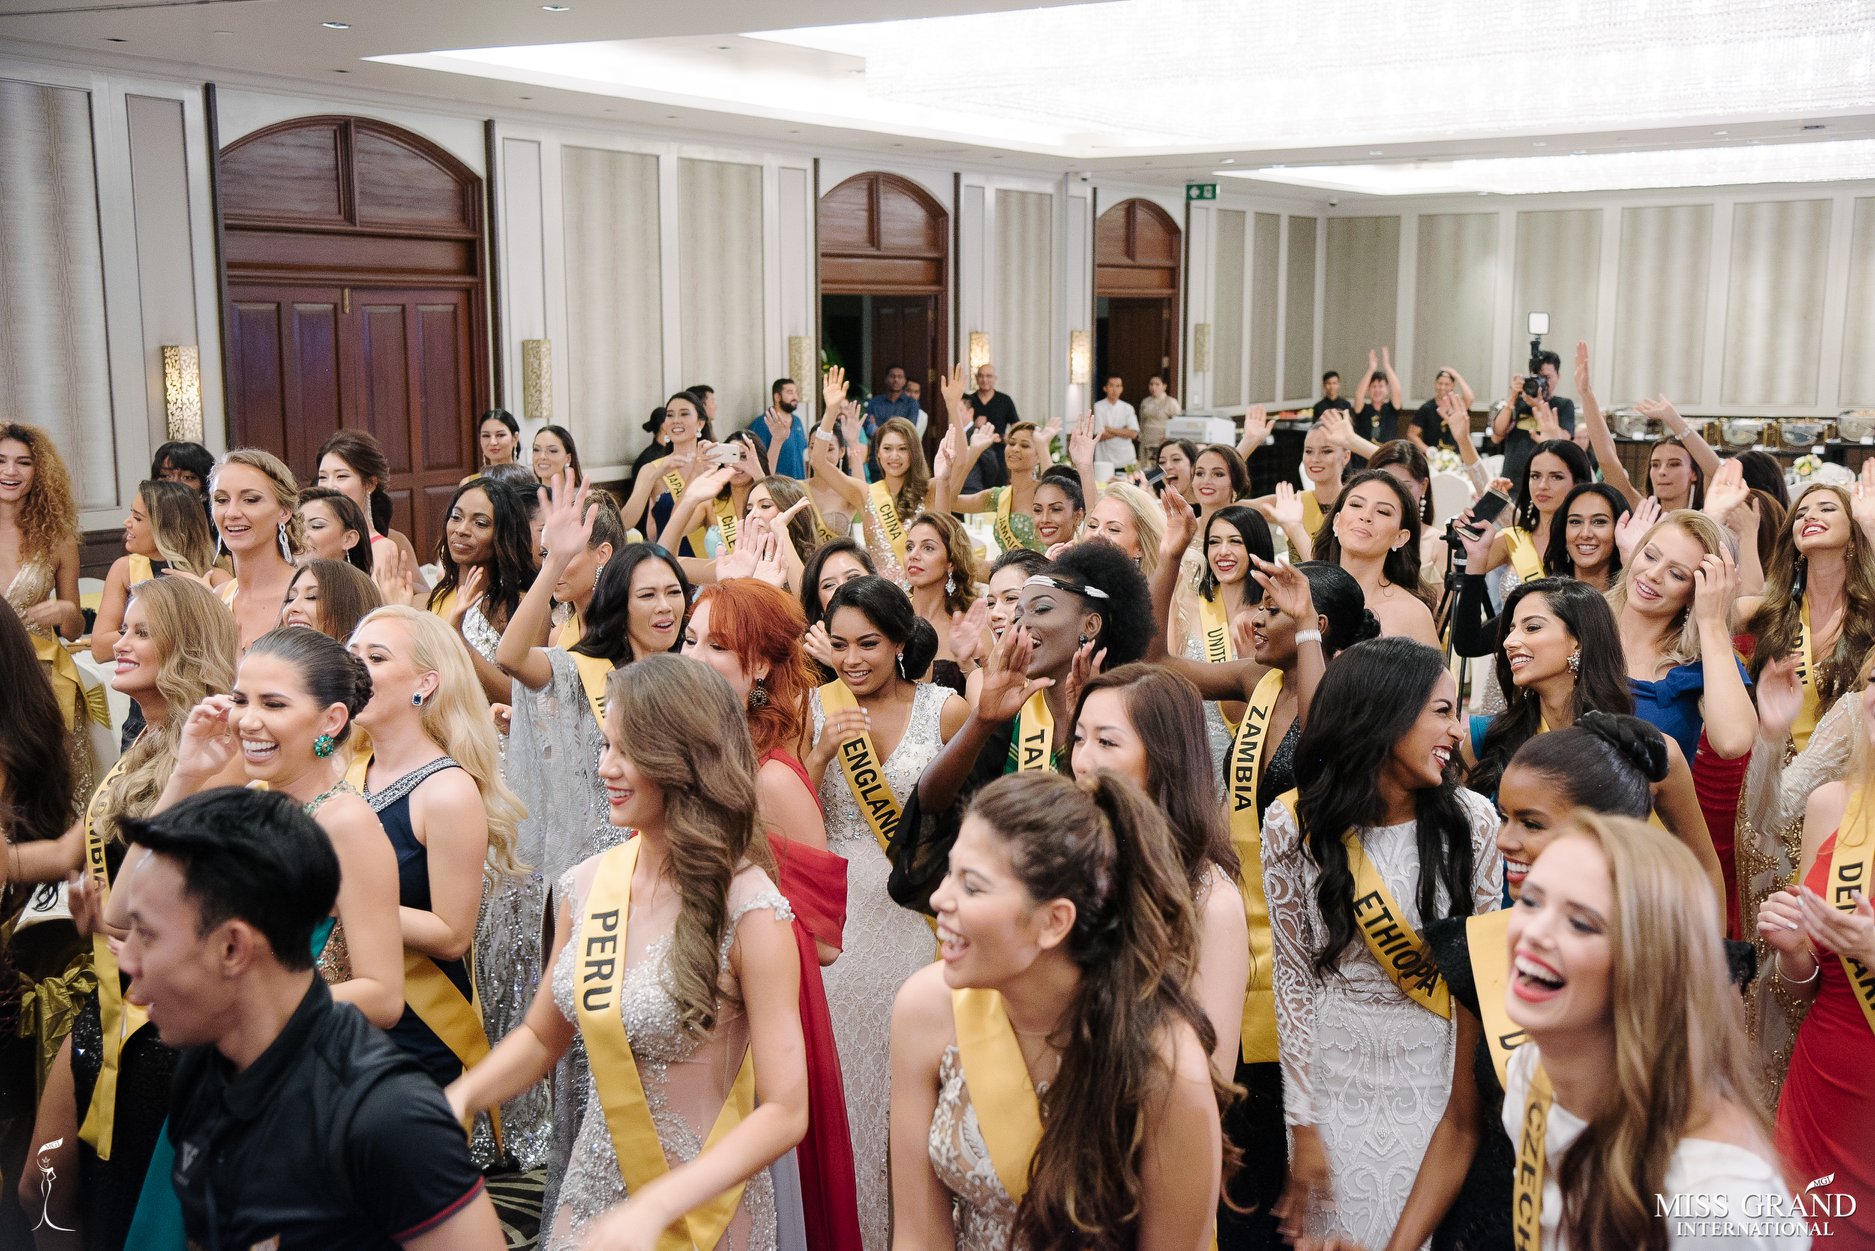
(196,635)
(456,719)
(1683,648)
(1679,1032)
(178,525)
(285,488)
(1148,519)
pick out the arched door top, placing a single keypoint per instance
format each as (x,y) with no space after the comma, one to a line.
(348,173)
(1137,250)
(880,232)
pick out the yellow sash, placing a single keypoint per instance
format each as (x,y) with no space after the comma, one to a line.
(1523,554)
(1311,512)
(119,1017)
(865,772)
(1526,1213)
(138,570)
(674,483)
(1246,835)
(443,608)
(232,585)
(601,982)
(1008,1112)
(1005,532)
(76,700)
(1395,944)
(1215,622)
(1810,712)
(725,522)
(889,522)
(593,673)
(1487,941)
(569,632)
(1035,734)
(1850,869)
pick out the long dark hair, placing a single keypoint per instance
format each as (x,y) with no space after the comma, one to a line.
(1406,454)
(38,787)
(1368,700)
(566,440)
(1696,497)
(1233,465)
(1254,530)
(1605,762)
(1168,716)
(511,561)
(607,635)
(1569,454)
(350,517)
(1341,602)
(1778,623)
(1101,845)
(1557,559)
(1601,679)
(1401,565)
(810,572)
(506,418)
(361,451)
(886,606)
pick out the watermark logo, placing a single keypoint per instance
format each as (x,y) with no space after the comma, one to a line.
(1761,1216)
(47,1175)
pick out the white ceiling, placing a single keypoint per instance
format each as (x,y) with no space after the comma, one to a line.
(1156,91)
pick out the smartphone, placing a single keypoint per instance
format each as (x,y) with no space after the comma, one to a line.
(1489,505)
(724,454)
(1155,480)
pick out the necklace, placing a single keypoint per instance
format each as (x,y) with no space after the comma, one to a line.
(340,787)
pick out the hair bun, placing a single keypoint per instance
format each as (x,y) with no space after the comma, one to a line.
(361,687)
(1369,627)
(1644,746)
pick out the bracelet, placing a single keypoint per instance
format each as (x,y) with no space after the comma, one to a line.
(1778,960)
(1308,636)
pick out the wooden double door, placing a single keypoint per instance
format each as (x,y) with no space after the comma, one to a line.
(397,361)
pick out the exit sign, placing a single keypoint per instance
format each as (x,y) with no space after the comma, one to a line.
(1201,191)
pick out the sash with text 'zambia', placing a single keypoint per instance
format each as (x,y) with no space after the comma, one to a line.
(1849,871)
(1246,837)
(889,521)
(118,1017)
(1395,944)
(1487,941)
(865,772)
(1526,1213)
(1008,1113)
(600,986)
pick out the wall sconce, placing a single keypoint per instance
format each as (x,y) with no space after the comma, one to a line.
(537,379)
(801,366)
(1080,357)
(979,351)
(182,392)
(1201,348)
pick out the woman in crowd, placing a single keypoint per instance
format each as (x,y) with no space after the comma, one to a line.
(352,463)
(1176,457)
(432,777)
(1002,598)
(177,647)
(1673,608)
(1584,546)
(335,528)
(1060,507)
(1090,605)
(1219,478)
(1025,456)
(780,506)
(700,988)
(329,596)
(1559,658)
(553,451)
(1324,464)
(498,435)
(1159,407)
(1130,518)
(1554,469)
(901,492)
(1376,842)
(488,561)
(38,536)
(875,729)
(1821,933)
(710,512)
(941,578)
(254,499)
(1234,537)
(166,529)
(658,484)
(1604,763)
(191,464)
(833,563)
(1633,1094)
(1373,532)
(1050,1084)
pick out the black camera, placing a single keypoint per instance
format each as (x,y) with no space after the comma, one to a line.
(1535,385)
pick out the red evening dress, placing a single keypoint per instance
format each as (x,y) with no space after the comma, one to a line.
(814,884)
(1826,1118)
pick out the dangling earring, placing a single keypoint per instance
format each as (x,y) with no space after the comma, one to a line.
(758,696)
(950,584)
(1575,661)
(286,549)
(901,664)
(218,548)
(323,746)
(597,570)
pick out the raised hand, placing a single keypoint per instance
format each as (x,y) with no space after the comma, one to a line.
(768,567)
(1453,413)
(945,461)
(1715,587)
(1256,430)
(983,436)
(1287,587)
(396,576)
(1049,433)
(1181,526)
(1373,361)
(1726,492)
(1087,662)
(1338,428)
(468,593)
(833,390)
(951,387)
(1006,683)
(1633,525)
(1780,697)
(1547,427)
(1862,498)
(849,424)
(566,518)
(1661,409)
(967,631)
(842,727)
(819,644)
(1081,443)
(1850,934)
(1286,509)
(208,744)
(503,717)
(1582,369)
(779,523)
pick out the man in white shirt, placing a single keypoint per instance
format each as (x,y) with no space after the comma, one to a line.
(1119,424)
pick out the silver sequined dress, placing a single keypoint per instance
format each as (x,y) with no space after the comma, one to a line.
(982,1211)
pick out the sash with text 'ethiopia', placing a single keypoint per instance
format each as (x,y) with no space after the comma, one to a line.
(1395,944)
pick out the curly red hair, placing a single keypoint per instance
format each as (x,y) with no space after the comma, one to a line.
(762,624)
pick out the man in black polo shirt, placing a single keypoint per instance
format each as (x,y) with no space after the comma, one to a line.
(1331,395)
(295,1123)
(1000,411)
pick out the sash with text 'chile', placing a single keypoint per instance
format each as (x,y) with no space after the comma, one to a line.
(1395,944)
(601,990)
(1850,868)
(1246,837)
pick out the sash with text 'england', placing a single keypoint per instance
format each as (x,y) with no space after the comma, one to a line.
(1246,837)
(1487,941)
(1008,1113)
(865,772)
(1395,944)
(1849,871)
(600,987)
(889,520)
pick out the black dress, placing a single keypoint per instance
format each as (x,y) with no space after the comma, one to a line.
(1254,1124)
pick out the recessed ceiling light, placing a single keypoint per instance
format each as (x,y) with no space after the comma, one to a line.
(1721,133)
(222,32)
(1813,125)
(336,25)
(898,145)
(1230,160)
(556,8)
(1373,151)
(1580,152)
(670,117)
(115,39)
(1539,144)
(527,97)
(722,47)
(341,71)
(794,132)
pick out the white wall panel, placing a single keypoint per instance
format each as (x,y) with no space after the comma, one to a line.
(1774,306)
(1660,304)
(1858,331)
(159,173)
(1025,311)
(1454,300)
(1557,271)
(720,268)
(1265,305)
(1227,313)
(1362,290)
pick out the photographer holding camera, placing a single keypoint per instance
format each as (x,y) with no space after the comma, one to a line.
(1531,408)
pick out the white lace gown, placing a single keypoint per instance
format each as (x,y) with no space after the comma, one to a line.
(883,945)
(685,1079)
(1363,1063)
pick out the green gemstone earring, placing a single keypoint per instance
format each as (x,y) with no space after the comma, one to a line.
(323,746)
